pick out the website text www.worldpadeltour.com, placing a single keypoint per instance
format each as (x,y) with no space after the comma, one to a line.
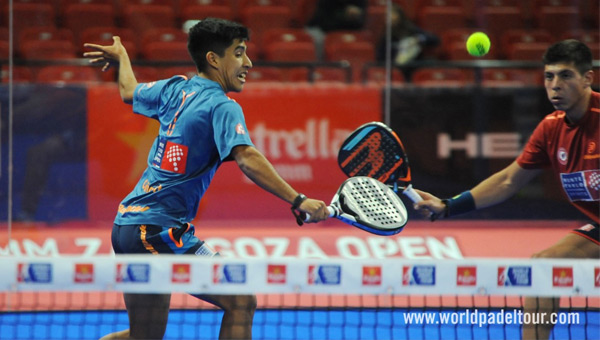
(482,318)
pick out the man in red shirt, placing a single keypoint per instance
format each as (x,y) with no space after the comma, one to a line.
(565,140)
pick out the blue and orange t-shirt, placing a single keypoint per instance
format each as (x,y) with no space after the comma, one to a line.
(199,127)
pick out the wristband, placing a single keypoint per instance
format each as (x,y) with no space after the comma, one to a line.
(459,204)
(298,200)
(295,204)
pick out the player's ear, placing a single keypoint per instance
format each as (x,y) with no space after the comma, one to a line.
(589,77)
(212,59)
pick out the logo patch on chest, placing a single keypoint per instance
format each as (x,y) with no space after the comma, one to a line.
(170,156)
(582,185)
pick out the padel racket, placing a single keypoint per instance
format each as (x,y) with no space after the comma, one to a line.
(375,151)
(368,204)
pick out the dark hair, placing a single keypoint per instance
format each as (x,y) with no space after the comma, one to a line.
(570,51)
(212,34)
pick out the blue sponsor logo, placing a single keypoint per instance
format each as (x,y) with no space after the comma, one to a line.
(133,272)
(34,273)
(229,273)
(160,151)
(418,275)
(324,275)
(514,276)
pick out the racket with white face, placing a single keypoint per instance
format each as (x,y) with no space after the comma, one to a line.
(374,150)
(368,204)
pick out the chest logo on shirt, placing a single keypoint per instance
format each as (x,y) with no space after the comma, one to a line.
(582,185)
(562,156)
(591,147)
(170,156)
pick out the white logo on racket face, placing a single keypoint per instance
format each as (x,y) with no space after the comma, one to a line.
(174,155)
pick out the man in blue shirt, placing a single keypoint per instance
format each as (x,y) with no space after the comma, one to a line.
(200,128)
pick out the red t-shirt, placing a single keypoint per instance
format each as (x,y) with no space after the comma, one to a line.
(573,152)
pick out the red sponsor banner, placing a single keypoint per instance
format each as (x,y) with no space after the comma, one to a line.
(562,276)
(597,277)
(181,273)
(371,276)
(299,128)
(466,276)
(84,273)
(276,273)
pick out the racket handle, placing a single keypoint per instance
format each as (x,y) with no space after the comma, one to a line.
(412,194)
(333,211)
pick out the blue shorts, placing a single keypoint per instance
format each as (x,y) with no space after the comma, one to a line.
(144,239)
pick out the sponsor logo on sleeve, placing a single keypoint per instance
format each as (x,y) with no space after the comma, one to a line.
(239,129)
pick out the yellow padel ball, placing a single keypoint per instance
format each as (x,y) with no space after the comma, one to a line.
(478,44)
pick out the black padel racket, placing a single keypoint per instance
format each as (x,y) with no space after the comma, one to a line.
(368,204)
(375,151)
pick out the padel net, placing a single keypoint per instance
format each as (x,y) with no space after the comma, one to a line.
(79,297)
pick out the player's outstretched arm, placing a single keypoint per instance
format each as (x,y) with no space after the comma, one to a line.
(493,190)
(257,168)
(115,54)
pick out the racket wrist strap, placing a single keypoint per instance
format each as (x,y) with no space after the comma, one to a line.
(295,205)
(459,204)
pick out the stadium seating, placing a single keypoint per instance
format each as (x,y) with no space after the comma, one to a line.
(78,17)
(145,74)
(288,44)
(527,51)
(168,72)
(352,46)
(266,73)
(548,16)
(161,34)
(67,74)
(30,14)
(140,18)
(261,18)
(498,19)
(21,74)
(509,38)
(438,19)
(166,51)
(442,77)
(377,76)
(319,75)
(46,33)
(195,12)
(104,36)
(48,50)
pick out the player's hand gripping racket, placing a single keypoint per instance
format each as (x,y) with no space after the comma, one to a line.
(368,204)
(374,150)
